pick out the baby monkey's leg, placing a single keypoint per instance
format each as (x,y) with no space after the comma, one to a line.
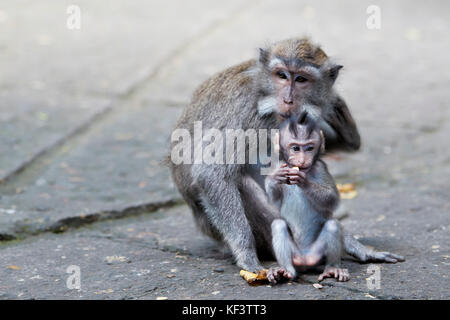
(329,244)
(283,247)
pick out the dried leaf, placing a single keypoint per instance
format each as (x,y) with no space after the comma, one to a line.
(13,267)
(349,195)
(347,190)
(247,275)
(345,187)
(254,278)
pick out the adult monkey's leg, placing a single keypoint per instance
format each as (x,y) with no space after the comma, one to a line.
(364,254)
(225,211)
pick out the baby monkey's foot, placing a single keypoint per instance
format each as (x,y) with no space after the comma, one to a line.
(278,274)
(332,272)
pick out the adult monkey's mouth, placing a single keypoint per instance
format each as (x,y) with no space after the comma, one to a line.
(285,115)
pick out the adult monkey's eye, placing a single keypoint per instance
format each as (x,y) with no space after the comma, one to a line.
(301,79)
(281,75)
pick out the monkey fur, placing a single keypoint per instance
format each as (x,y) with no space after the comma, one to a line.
(228,201)
(306,195)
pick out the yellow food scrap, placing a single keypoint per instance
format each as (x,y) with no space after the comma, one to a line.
(345,187)
(254,278)
(349,195)
(14,267)
(347,190)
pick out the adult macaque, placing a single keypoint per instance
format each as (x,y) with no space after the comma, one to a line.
(228,200)
(306,195)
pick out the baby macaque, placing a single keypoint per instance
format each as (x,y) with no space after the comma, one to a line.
(304,191)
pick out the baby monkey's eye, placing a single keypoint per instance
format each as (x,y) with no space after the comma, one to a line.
(309,147)
(296,148)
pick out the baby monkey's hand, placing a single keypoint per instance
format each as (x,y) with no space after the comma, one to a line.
(280,176)
(287,175)
(296,176)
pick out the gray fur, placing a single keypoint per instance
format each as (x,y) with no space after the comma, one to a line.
(222,205)
(308,213)
(283,246)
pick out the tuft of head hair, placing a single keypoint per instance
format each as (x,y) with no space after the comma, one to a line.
(303,119)
(295,49)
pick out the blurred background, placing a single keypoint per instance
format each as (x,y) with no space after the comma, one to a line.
(89,96)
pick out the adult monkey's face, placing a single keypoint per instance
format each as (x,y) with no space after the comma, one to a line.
(297,73)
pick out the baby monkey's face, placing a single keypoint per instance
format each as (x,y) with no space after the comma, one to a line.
(300,150)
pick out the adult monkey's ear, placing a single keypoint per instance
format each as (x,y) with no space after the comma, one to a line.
(263,56)
(334,72)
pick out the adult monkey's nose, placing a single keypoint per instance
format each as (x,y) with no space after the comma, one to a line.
(288,100)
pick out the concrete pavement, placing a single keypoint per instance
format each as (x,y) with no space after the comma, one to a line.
(86,116)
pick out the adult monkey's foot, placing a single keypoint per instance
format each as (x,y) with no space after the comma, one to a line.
(354,248)
(385,256)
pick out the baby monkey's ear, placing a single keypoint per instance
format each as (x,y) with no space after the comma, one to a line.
(322,142)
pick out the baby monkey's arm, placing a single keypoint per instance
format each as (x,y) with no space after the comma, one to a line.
(318,185)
